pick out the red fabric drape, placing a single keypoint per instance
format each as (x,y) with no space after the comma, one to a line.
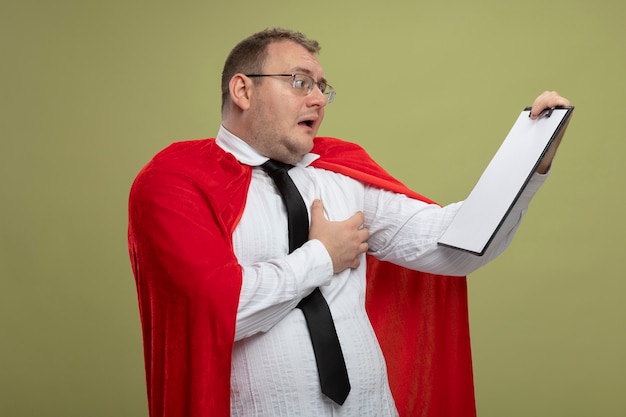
(183,207)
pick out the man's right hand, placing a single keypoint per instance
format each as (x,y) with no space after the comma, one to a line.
(345,241)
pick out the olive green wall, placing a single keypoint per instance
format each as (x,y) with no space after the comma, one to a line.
(91,90)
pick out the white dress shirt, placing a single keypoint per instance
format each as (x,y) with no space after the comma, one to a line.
(273,366)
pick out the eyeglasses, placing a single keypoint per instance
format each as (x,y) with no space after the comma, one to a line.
(304,84)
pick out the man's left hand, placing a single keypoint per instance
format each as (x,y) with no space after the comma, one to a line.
(547,100)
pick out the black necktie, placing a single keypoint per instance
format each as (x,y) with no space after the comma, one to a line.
(331,366)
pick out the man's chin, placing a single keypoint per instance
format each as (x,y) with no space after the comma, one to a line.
(299,149)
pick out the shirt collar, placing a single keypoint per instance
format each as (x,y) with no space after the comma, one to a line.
(246,154)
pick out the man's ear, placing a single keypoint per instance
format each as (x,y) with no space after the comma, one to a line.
(240,88)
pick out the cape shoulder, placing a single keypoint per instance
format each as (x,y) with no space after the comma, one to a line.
(352,160)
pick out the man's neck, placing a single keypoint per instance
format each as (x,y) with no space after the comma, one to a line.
(245,153)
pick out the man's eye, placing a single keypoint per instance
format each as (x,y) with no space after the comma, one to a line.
(299,83)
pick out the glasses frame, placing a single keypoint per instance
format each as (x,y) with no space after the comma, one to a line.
(324,87)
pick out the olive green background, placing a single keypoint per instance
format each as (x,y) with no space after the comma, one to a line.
(91,90)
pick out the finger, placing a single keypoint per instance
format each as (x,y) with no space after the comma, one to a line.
(356,219)
(356,263)
(363,247)
(546,100)
(540,104)
(317,209)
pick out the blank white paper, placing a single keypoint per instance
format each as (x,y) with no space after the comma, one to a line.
(503,180)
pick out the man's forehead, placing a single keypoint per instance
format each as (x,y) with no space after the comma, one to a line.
(291,55)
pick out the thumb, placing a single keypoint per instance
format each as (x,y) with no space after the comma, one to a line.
(317,210)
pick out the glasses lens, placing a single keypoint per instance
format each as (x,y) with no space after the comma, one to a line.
(302,83)
(305,84)
(329,92)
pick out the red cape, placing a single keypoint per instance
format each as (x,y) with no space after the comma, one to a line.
(183,208)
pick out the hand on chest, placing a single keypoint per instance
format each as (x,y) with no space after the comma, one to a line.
(263,225)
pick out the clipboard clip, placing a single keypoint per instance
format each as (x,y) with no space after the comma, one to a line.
(546,113)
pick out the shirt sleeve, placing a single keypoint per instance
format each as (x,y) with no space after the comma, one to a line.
(405,231)
(272,289)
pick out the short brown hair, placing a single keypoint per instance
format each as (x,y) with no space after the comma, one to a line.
(249,55)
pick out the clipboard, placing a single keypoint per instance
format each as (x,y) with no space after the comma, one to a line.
(482,213)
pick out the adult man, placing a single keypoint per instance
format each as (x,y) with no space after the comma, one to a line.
(219,284)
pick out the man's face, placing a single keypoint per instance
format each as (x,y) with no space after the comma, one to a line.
(282,120)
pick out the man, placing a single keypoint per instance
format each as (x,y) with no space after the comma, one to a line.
(221,292)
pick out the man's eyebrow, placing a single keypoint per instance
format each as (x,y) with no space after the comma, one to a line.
(306,71)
